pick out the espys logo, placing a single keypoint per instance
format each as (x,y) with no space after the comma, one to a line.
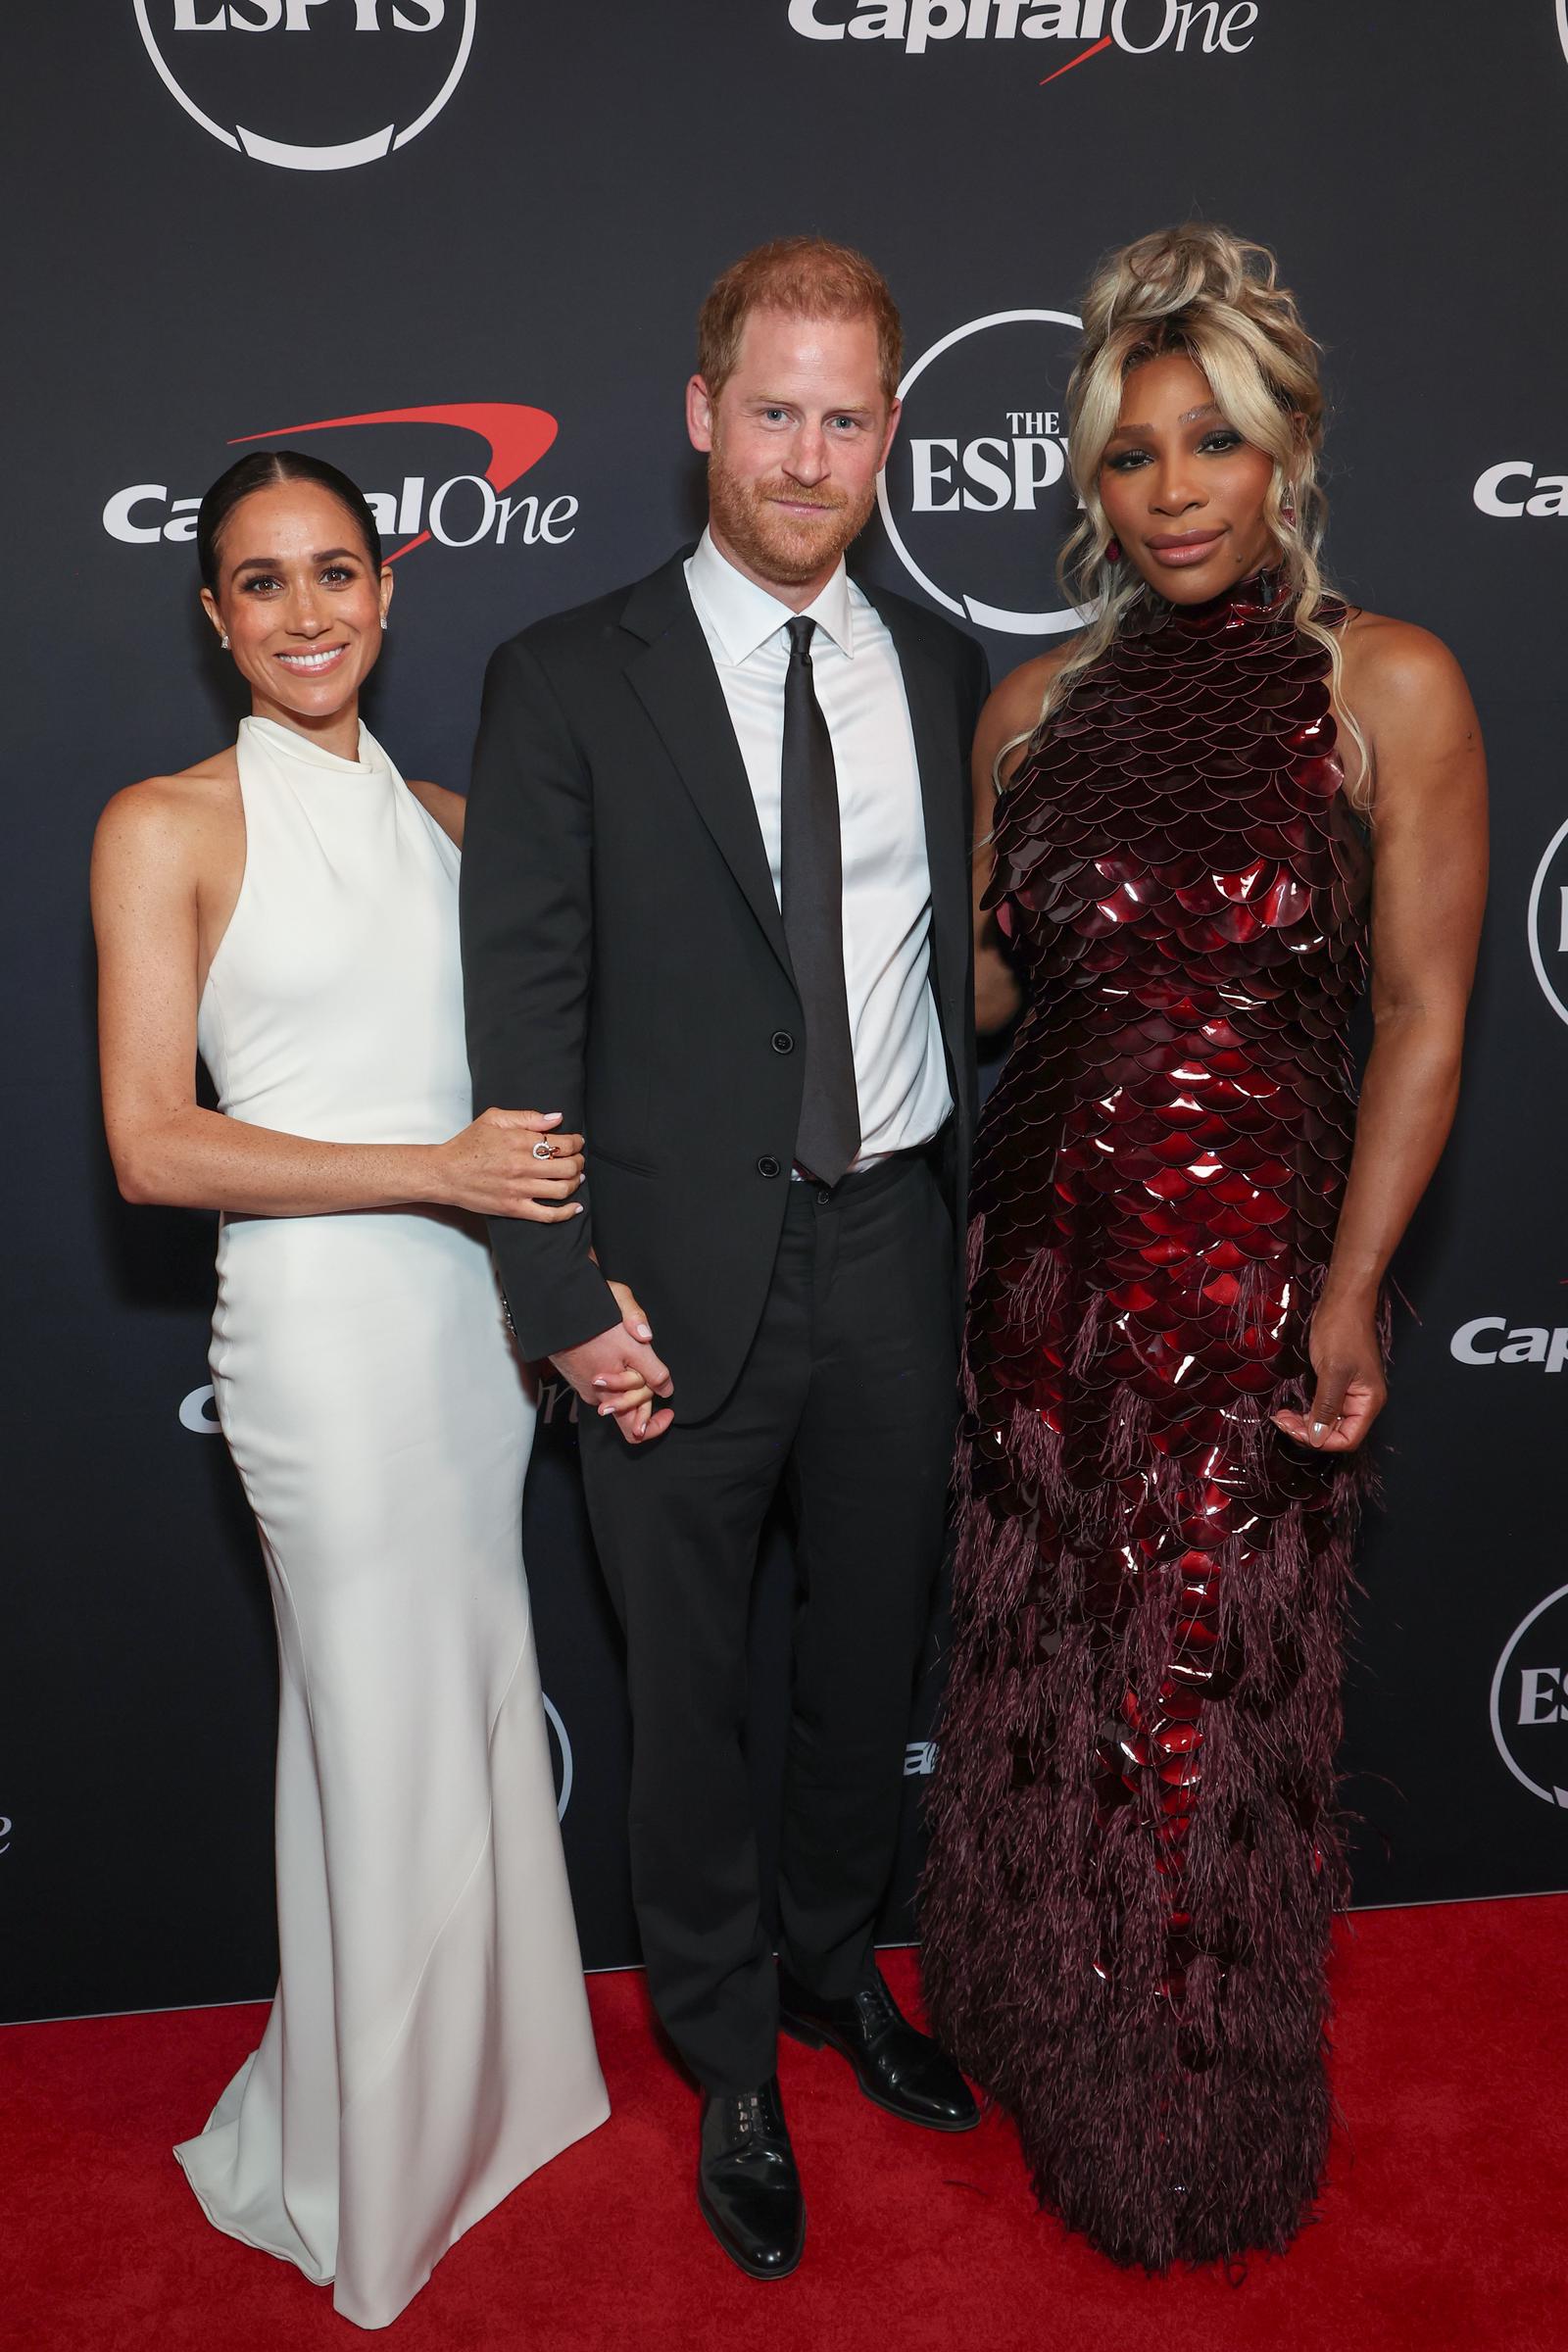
(561,1749)
(1137,28)
(1547,919)
(198,1413)
(1530,1700)
(369,78)
(462,511)
(975,494)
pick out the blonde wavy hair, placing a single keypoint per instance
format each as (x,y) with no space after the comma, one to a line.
(1199,290)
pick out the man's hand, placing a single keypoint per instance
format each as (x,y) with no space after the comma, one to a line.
(618,1373)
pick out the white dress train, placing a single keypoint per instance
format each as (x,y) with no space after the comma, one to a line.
(429,2045)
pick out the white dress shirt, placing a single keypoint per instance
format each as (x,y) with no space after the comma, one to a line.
(901,1074)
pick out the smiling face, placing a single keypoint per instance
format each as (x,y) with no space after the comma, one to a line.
(1182,490)
(301,603)
(794,440)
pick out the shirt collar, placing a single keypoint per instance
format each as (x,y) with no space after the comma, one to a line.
(744,617)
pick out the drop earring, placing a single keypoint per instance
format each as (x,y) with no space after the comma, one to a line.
(224,641)
(383,624)
(1113,551)
(1287,504)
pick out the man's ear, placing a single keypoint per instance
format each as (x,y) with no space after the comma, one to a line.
(700,414)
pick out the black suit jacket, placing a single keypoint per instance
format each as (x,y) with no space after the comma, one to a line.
(624,963)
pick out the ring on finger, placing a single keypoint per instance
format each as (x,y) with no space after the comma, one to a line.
(544,1150)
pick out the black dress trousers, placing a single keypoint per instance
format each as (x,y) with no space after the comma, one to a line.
(847,1402)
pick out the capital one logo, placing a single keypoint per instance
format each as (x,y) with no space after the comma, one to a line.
(975,498)
(1516,488)
(1530,1700)
(335,83)
(1493,1340)
(1547,919)
(460,511)
(1137,28)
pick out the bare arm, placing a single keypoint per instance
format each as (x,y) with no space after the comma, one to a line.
(1430,879)
(449,809)
(146,878)
(1011,711)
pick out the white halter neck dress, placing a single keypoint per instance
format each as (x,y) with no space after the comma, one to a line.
(429,2045)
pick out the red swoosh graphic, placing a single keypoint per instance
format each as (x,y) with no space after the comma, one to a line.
(1076,61)
(517,437)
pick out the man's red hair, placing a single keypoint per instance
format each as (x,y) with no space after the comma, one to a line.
(804,277)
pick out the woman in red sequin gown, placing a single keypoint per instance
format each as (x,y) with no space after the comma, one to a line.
(1181,1223)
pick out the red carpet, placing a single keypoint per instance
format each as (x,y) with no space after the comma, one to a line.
(1442,2226)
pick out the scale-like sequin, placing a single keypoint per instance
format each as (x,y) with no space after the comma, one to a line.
(1134,1858)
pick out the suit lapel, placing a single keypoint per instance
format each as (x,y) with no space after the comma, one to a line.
(672,675)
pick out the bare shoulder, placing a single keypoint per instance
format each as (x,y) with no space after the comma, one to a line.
(1409,699)
(449,809)
(1395,668)
(1014,703)
(161,815)
(1014,706)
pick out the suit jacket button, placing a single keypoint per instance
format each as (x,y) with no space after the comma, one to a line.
(767,1165)
(783,1043)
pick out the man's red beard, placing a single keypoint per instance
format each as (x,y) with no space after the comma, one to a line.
(790,548)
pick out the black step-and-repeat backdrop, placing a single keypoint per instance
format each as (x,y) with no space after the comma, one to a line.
(457,246)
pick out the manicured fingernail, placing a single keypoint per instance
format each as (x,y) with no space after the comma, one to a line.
(643,1332)
(600,1382)
(1318,1427)
(576,1209)
(604,1409)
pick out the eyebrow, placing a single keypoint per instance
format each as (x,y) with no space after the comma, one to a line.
(325,554)
(832,407)
(1209,408)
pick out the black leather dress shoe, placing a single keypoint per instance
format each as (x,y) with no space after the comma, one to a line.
(899,2068)
(748,2188)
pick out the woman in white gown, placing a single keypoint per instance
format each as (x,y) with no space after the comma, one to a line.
(290,908)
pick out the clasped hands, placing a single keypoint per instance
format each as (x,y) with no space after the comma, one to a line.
(618,1373)
(524,1164)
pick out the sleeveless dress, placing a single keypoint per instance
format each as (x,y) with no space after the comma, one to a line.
(429,2045)
(1134,1855)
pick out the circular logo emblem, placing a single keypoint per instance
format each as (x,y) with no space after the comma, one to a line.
(1530,1700)
(1548,917)
(561,1746)
(975,497)
(323,101)
(199,1412)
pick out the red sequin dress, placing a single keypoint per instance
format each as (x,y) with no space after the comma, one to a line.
(1134,1858)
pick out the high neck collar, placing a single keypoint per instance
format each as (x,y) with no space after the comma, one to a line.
(1263,595)
(302,751)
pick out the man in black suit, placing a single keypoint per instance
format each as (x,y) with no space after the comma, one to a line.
(716,902)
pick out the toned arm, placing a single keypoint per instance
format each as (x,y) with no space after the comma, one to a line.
(164,874)
(1428,889)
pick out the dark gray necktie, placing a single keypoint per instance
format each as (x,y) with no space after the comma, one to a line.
(812,893)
